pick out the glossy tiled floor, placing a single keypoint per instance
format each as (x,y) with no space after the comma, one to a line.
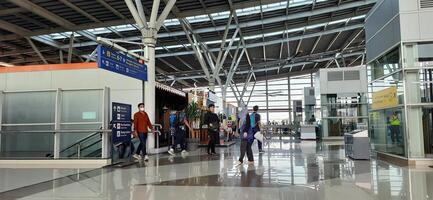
(288,170)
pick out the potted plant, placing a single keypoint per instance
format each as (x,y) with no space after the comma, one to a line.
(192,113)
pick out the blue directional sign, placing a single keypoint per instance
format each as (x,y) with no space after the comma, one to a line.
(121,122)
(117,62)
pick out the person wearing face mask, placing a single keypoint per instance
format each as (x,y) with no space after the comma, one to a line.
(142,125)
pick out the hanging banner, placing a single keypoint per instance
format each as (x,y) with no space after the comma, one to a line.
(386,98)
(121,122)
(117,62)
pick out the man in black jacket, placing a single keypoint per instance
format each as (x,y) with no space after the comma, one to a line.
(213,123)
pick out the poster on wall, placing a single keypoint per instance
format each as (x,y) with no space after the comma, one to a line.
(112,60)
(121,122)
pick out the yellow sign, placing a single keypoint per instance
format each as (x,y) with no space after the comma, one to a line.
(385,98)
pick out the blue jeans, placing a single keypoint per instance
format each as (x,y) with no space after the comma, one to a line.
(142,146)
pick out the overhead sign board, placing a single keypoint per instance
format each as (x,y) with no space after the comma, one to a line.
(114,61)
(386,98)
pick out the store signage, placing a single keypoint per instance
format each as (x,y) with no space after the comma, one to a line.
(386,98)
(212,96)
(117,62)
(121,122)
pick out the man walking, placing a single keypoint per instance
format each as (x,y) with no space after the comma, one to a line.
(180,125)
(142,125)
(213,123)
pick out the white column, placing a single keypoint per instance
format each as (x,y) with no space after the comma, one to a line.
(414,136)
(149,86)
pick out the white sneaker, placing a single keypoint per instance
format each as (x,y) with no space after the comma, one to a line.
(136,156)
(171,152)
(184,152)
(146,158)
(238,163)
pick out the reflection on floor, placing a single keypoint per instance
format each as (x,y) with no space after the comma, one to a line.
(288,170)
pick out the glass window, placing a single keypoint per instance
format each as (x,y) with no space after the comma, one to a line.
(387,130)
(29,107)
(77,106)
(386,64)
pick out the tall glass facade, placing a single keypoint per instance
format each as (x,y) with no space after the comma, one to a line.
(401,97)
(277,100)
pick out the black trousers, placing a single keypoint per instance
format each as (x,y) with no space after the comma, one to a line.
(395,134)
(246,148)
(179,138)
(213,137)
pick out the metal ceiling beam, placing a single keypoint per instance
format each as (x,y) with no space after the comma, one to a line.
(197,51)
(79,10)
(169,5)
(245,24)
(314,57)
(19,30)
(71,42)
(354,36)
(106,5)
(252,45)
(140,10)
(36,50)
(11,11)
(169,64)
(233,67)
(31,20)
(271,68)
(34,8)
(13,28)
(22,51)
(200,30)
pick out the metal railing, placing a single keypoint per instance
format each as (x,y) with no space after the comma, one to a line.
(78,144)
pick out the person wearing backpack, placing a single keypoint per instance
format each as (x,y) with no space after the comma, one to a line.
(179,124)
(255,125)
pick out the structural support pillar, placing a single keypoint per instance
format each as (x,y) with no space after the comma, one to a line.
(414,136)
(267,98)
(149,92)
(289,99)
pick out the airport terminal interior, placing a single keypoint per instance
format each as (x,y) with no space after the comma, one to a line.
(216,99)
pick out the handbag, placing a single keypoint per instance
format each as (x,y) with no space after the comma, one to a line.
(259,136)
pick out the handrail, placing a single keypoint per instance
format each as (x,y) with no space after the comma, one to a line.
(79,141)
(83,139)
(81,149)
(59,131)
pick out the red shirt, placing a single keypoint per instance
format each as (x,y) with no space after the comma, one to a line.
(141,122)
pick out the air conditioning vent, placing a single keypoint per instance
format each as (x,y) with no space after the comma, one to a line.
(426,3)
(335,76)
(351,75)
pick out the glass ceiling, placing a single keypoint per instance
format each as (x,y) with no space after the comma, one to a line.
(194,19)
